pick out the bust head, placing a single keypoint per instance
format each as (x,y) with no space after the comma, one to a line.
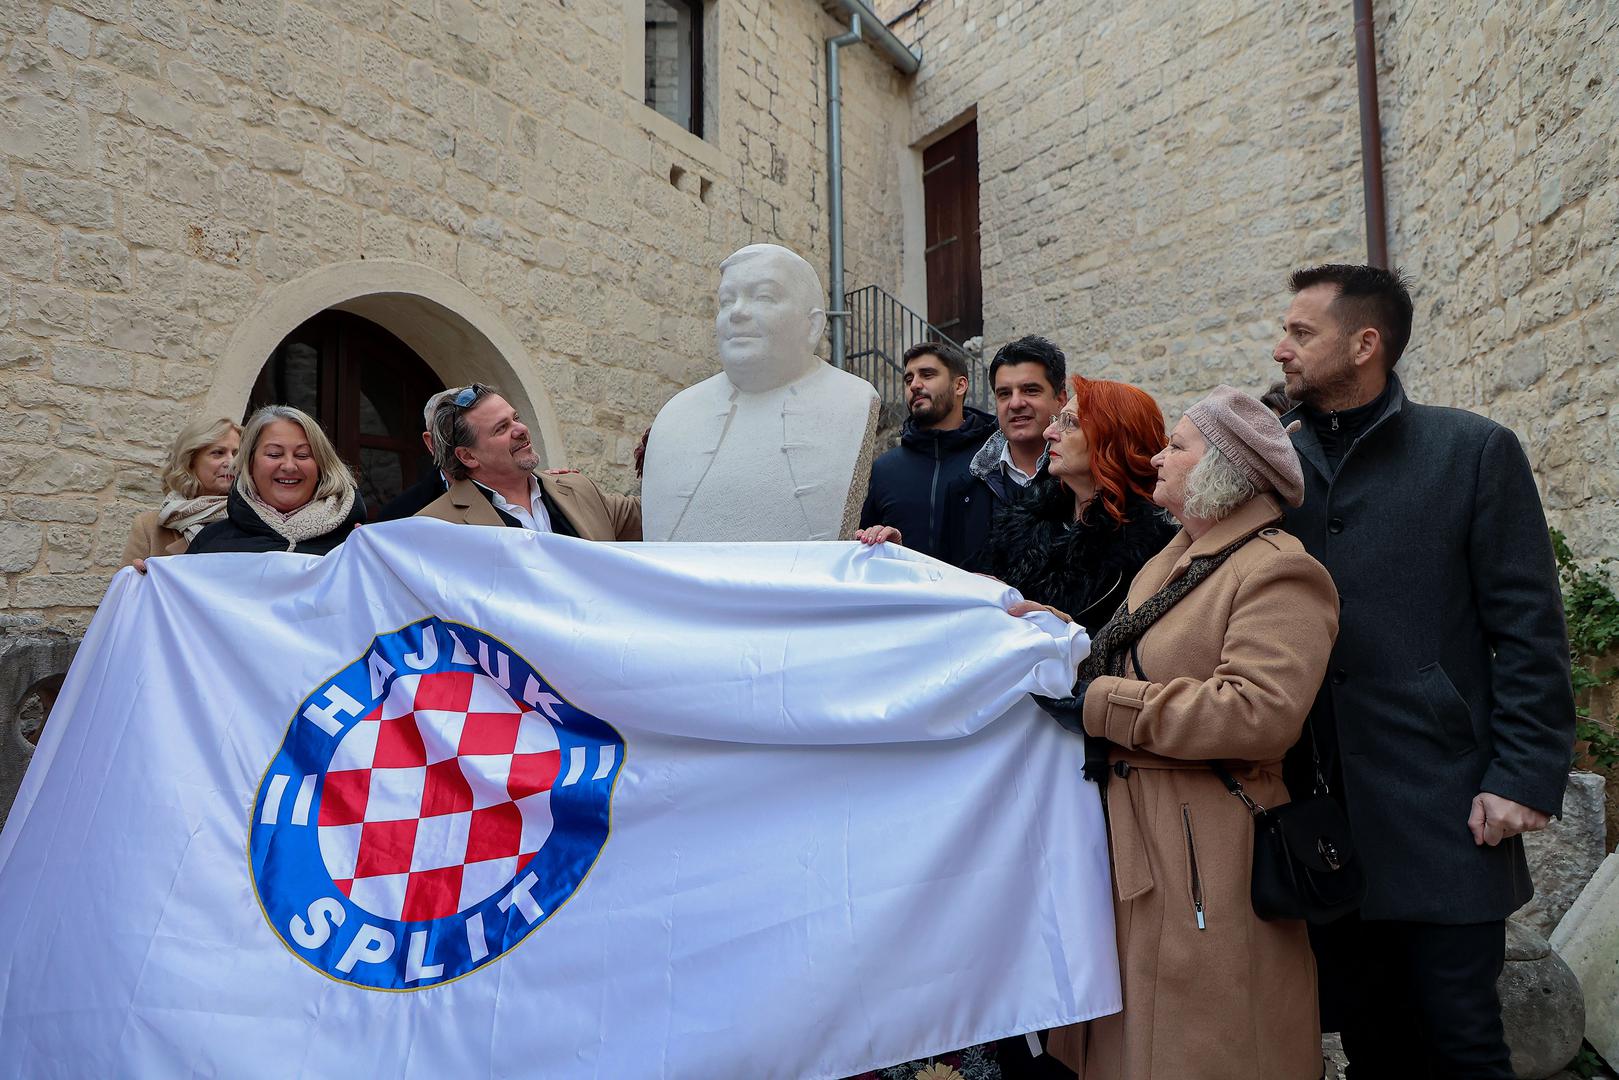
(770,317)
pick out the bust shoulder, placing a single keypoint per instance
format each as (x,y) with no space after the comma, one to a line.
(714,388)
(832,386)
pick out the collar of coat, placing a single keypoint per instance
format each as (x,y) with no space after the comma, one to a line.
(1253,516)
(470,499)
(1309,446)
(986,464)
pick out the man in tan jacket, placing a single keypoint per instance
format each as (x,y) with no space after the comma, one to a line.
(484,450)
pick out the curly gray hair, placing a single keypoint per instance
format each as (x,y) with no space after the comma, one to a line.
(1215,488)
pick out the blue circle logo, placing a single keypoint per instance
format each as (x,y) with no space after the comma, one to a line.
(432,805)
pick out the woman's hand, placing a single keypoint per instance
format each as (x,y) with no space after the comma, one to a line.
(139,565)
(879,534)
(1028,607)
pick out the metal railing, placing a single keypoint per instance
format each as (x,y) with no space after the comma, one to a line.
(880,329)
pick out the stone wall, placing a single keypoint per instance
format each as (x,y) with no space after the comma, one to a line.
(165,166)
(1150,172)
(1503,170)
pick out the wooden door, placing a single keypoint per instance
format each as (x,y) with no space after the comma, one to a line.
(367,389)
(950,202)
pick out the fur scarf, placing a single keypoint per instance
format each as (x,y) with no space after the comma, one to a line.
(1037,547)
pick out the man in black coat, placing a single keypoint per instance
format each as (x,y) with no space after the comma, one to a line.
(430,485)
(1446,721)
(911,484)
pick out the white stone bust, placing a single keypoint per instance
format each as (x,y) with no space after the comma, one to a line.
(777,446)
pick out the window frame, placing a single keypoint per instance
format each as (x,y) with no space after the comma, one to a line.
(696,12)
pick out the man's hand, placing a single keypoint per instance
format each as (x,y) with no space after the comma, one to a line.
(879,534)
(1494,819)
(1027,607)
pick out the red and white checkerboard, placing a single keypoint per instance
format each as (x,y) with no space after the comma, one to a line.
(435,799)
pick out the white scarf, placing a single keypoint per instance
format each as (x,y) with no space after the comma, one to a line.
(317,517)
(188,516)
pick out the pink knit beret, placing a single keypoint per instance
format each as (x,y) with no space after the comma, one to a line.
(1252,439)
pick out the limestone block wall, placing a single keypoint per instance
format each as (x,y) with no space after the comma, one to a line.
(1503,169)
(1150,172)
(167,165)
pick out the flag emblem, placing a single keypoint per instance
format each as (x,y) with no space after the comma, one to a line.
(431,805)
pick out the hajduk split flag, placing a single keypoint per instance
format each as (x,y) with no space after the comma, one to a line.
(469,802)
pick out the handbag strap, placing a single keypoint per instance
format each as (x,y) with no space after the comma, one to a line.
(1112,642)
(1235,788)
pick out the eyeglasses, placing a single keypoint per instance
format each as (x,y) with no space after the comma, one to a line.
(465,398)
(1064,422)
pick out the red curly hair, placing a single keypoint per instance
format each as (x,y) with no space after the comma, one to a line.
(1125,429)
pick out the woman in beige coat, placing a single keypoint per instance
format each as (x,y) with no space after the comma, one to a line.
(1226,672)
(196,480)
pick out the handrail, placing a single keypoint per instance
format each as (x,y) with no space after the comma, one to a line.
(880,329)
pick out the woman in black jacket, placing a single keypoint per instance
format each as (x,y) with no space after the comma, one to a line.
(1075,538)
(292,492)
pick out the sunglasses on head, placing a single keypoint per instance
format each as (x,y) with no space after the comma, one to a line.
(465,398)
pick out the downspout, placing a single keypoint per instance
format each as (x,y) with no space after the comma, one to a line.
(835,310)
(1371,136)
(906,62)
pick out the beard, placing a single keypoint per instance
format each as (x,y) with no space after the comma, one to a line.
(929,410)
(1328,387)
(527,459)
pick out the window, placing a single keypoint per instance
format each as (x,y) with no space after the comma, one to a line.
(674,61)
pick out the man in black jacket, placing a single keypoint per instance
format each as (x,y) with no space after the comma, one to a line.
(910,484)
(1446,721)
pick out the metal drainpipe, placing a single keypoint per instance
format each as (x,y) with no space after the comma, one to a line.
(835,310)
(1371,136)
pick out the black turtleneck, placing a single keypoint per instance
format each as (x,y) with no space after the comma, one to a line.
(1337,429)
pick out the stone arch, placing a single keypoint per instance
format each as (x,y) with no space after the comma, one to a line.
(460,336)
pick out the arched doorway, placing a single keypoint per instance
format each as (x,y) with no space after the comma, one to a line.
(459,335)
(366,387)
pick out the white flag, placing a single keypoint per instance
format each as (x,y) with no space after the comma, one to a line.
(463,802)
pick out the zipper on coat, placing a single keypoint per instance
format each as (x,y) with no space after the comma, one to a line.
(933,500)
(1191,855)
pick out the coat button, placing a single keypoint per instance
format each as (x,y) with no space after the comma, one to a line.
(1269,532)
(1338,676)
(1335,526)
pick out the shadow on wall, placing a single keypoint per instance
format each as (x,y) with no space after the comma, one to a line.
(32,666)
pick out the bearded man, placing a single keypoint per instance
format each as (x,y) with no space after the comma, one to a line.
(911,484)
(1445,724)
(482,446)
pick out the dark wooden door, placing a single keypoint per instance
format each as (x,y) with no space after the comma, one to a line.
(950,200)
(367,389)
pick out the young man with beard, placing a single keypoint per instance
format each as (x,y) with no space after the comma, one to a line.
(911,484)
(1446,721)
(483,448)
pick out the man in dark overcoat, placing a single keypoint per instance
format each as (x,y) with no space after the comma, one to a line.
(1445,724)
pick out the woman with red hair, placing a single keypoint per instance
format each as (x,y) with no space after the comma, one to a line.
(1082,530)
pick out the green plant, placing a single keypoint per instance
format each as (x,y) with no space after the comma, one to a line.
(1587,1063)
(1592,610)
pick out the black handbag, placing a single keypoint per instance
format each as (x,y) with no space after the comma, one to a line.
(1304,857)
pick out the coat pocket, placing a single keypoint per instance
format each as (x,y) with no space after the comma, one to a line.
(1194,876)
(1449,708)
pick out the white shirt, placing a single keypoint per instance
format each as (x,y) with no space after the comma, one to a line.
(1013,473)
(532,517)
